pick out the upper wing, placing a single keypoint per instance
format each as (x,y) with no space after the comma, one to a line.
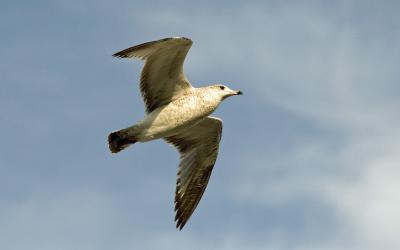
(162,77)
(198,147)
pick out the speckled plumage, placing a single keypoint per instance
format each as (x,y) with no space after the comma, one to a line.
(178,113)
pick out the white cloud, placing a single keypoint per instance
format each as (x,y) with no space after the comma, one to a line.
(77,219)
(336,73)
(371,201)
(304,59)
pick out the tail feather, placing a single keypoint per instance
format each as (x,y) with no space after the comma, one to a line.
(118,141)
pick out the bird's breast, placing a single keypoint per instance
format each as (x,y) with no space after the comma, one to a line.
(177,115)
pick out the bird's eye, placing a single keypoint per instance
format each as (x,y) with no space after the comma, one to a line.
(222,87)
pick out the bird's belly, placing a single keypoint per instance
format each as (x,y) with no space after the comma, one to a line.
(172,118)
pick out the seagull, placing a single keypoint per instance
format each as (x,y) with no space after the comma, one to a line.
(178,113)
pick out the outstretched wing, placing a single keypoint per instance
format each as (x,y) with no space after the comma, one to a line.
(162,79)
(198,147)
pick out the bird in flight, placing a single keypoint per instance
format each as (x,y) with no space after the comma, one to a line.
(178,113)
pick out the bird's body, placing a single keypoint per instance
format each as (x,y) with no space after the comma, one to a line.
(178,113)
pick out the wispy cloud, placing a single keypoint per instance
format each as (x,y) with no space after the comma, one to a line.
(317,170)
(326,66)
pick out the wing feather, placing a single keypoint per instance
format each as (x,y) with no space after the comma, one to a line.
(162,78)
(198,147)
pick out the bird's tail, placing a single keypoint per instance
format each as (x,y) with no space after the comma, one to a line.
(119,140)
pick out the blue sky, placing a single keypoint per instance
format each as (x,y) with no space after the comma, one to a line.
(309,157)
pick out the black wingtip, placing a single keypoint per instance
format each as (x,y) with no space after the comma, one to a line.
(180,225)
(119,55)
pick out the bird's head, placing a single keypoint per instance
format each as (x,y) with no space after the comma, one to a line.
(224,92)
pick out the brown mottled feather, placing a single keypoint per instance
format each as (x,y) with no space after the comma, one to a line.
(162,79)
(198,147)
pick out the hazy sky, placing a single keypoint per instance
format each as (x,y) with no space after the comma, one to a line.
(310,154)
